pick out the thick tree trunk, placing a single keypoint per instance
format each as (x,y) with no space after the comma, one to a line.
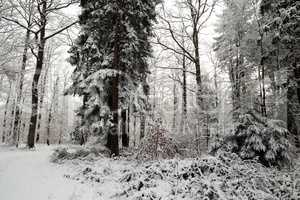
(41,103)
(291,121)
(18,110)
(294,100)
(36,77)
(198,72)
(125,135)
(235,74)
(113,136)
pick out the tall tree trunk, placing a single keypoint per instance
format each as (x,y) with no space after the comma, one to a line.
(20,124)
(175,104)
(64,113)
(113,136)
(49,125)
(50,112)
(43,83)
(237,71)
(11,124)
(4,126)
(233,76)
(198,71)
(142,125)
(18,110)
(134,130)
(207,131)
(264,107)
(262,83)
(216,99)
(184,96)
(36,76)
(293,105)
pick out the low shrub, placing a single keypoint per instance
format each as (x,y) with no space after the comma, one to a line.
(225,176)
(157,144)
(62,154)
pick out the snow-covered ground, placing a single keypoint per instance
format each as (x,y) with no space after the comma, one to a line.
(28,175)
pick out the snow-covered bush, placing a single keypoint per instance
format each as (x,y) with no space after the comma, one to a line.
(62,154)
(225,176)
(157,144)
(266,139)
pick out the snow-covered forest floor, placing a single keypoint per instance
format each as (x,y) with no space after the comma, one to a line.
(31,175)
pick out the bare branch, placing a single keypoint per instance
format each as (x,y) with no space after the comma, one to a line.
(61,30)
(177,68)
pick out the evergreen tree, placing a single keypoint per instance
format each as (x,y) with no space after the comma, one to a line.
(283,27)
(230,49)
(110,56)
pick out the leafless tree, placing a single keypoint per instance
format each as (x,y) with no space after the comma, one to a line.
(193,17)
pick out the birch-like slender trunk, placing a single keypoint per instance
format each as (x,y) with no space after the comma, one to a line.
(4,125)
(51,109)
(18,110)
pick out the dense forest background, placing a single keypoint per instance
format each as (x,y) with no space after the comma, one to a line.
(187,70)
(149,99)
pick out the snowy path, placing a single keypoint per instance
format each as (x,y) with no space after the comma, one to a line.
(28,175)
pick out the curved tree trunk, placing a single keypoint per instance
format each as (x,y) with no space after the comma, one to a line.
(36,77)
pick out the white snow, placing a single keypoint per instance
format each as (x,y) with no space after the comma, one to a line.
(28,175)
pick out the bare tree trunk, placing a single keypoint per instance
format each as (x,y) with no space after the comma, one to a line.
(20,124)
(49,125)
(184,89)
(216,99)
(198,70)
(207,131)
(64,112)
(11,124)
(142,125)
(262,77)
(50,112)
(18,110)
(175,104)
(43,84)
(4,126)
(36,76)
(134,131)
